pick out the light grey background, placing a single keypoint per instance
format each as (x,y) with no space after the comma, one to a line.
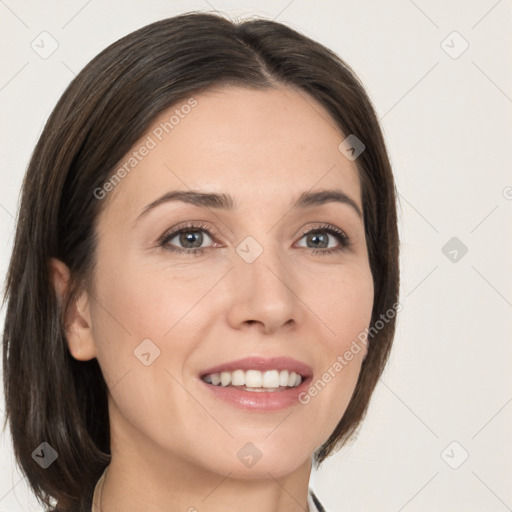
(447,121)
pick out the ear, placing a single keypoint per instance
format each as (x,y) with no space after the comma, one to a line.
(77,320)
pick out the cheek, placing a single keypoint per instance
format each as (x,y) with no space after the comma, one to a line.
(141,320)
(141,301)
(136,303)
(345,309)
(343,303)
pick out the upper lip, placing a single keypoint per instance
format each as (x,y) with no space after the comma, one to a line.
(262,364)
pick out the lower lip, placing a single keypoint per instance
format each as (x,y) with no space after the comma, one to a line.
(259,400)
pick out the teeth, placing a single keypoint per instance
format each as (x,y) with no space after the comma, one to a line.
(238,378)
(225,379)
(253,379)
(270,379)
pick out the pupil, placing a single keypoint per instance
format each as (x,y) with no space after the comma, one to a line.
(189,237)
(316,237)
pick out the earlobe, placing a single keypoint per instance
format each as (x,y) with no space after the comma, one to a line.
(77,319)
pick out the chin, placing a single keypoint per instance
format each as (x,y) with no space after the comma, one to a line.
(262,459)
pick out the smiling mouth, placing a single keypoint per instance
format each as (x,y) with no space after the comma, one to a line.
(255,380)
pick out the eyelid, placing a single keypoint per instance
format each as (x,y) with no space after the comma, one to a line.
(190,226)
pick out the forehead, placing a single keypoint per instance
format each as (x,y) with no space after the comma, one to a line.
(263,145)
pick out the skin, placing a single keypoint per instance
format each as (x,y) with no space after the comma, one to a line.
(174,446)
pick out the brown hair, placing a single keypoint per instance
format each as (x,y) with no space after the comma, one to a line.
(51,397)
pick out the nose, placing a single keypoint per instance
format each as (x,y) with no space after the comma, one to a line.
(265,293)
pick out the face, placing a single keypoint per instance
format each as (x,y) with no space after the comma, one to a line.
(255,287)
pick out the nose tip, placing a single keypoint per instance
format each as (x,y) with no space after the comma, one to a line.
(262,295)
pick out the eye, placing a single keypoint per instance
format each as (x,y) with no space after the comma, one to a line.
(190,237)
(319,237)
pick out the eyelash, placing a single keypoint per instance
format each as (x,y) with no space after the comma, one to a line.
(343,239)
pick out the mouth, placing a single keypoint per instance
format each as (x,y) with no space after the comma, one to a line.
(257,382)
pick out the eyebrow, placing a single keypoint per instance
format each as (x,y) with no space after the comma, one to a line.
(226,202)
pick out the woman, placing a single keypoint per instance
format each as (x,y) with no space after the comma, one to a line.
(204,280)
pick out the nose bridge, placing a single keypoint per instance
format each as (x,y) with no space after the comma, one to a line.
(263,283)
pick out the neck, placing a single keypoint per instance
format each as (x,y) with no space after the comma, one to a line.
(141,476)
(130,488)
